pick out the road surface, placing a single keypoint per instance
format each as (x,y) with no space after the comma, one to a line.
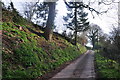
(82,68)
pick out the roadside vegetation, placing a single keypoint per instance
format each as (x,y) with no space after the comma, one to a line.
(105,67)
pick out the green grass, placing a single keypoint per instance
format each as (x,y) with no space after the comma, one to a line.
(107,68)
(31,61)
(28,59)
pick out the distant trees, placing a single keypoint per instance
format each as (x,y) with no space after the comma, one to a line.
(42,13)
(110,44)
(29,10)
(82,39)
(93,33)
(115,37)
(36,11)
(76,21)
(115,43)
(46,12)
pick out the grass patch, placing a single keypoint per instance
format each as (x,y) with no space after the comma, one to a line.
(30,61)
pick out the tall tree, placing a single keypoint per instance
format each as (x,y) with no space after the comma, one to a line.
(45,10)
(77,21)
(50,21)
(111,44)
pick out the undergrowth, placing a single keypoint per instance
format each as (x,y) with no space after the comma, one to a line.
(106,68)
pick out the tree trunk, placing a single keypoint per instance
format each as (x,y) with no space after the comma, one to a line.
(75,13)
(75,37)
(50,21)
(93,42)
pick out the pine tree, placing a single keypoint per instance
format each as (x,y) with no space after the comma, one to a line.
(76,21)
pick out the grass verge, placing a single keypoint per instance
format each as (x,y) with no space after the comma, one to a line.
(106,68)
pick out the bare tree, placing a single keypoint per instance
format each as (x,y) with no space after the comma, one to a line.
(93,33)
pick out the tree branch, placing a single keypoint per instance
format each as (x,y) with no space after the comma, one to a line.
(83,5)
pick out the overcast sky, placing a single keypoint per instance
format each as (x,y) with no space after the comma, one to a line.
(105,21)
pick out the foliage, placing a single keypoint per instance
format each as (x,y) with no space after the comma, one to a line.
(33,61)
(82,38)
(77,21)
(110,44)
(106,68)
(93,33)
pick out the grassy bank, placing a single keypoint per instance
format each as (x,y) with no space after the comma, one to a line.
(26,53)
(106,68)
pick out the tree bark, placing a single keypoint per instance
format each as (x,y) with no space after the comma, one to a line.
(50,21)
(75,13)
(93,42)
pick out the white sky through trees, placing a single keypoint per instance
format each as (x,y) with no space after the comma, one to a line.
(106,21)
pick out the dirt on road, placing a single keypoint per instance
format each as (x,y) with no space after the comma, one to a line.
(82,68)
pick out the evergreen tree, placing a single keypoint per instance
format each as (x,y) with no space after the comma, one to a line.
(76,21)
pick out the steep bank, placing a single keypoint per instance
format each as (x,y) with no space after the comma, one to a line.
(26,53)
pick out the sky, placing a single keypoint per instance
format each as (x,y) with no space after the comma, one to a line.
(105,21)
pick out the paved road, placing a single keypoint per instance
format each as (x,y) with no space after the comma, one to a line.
(83,68)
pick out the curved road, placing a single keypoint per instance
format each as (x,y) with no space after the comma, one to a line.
(83,68)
